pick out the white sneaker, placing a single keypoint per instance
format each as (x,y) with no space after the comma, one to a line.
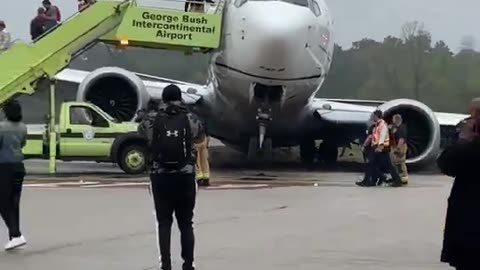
(16,243)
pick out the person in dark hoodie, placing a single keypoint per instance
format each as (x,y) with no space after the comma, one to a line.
(461,241)
(173,186)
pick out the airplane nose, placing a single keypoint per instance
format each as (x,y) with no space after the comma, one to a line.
(273,36)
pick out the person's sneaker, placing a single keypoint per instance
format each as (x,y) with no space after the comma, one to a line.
(365,183)
(16,243)
(205,182)
(395,184)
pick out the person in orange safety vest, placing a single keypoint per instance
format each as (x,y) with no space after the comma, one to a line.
(381,162)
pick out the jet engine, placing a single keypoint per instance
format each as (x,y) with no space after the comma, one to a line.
(118,92)
(423,129)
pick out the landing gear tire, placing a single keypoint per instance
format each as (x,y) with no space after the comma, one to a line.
(307,152)
(252,149)
(256,155)
(267,151)
(328,153)
(132,159)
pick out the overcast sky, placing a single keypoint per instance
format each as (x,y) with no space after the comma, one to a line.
(354,19)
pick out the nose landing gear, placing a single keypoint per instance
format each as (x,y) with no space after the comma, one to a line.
(260,148)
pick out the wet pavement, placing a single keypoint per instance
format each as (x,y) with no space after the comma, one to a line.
(248,219)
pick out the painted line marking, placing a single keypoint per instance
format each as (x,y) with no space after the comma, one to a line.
(41,185)
(115,185)
(233,186)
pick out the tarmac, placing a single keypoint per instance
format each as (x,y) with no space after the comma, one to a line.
(94,217)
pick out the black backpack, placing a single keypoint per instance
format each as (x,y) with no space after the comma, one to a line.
(172,140)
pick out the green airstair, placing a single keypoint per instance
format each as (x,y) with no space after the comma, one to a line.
(120,23)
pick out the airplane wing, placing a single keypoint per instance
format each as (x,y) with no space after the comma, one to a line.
(191,93)
(352,111)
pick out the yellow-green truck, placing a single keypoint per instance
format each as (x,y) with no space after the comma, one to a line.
(86,133)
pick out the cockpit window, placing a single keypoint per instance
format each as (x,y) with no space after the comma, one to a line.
(239,3)
(316,8)
(312,4)
(303,3)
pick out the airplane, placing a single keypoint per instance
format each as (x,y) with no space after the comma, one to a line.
(261,88)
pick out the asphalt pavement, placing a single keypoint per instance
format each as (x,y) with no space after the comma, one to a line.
(313,220)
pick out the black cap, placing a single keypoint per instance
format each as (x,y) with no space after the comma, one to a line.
(46,2)
(378,113)
(13,111)
(171,93)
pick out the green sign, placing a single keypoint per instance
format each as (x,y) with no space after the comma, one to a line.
(170,27)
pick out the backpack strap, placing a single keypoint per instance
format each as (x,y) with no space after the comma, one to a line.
(157,133)
(188,137)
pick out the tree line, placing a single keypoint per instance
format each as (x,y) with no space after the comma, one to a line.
(409,66)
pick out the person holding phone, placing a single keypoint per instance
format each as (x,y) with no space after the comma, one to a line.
(461,240)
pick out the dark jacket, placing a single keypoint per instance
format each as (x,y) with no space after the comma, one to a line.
(461,243)
(37,27)
(145,128)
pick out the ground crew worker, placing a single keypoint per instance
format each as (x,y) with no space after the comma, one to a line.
(381,144)
(202,164)
(174,133)
(13,137)
(461,239)
(5,37)
(399,149)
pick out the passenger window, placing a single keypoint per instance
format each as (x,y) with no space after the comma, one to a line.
(316,8)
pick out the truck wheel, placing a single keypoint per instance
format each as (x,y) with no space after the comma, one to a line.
(133,159)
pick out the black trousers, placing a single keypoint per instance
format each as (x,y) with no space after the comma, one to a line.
(175,193)
(382,163)
(369,156)
(11,182)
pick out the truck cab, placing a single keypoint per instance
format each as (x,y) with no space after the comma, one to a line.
(87,133)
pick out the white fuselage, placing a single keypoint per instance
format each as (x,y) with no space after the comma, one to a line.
(274,55)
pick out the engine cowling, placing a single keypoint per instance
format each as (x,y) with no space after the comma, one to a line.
(117,91)
(422,127)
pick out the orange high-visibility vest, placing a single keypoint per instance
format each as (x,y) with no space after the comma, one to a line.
(377,130)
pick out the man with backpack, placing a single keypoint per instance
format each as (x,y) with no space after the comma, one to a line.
(175,131)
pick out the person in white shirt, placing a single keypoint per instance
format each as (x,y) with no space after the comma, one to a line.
(5,37)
